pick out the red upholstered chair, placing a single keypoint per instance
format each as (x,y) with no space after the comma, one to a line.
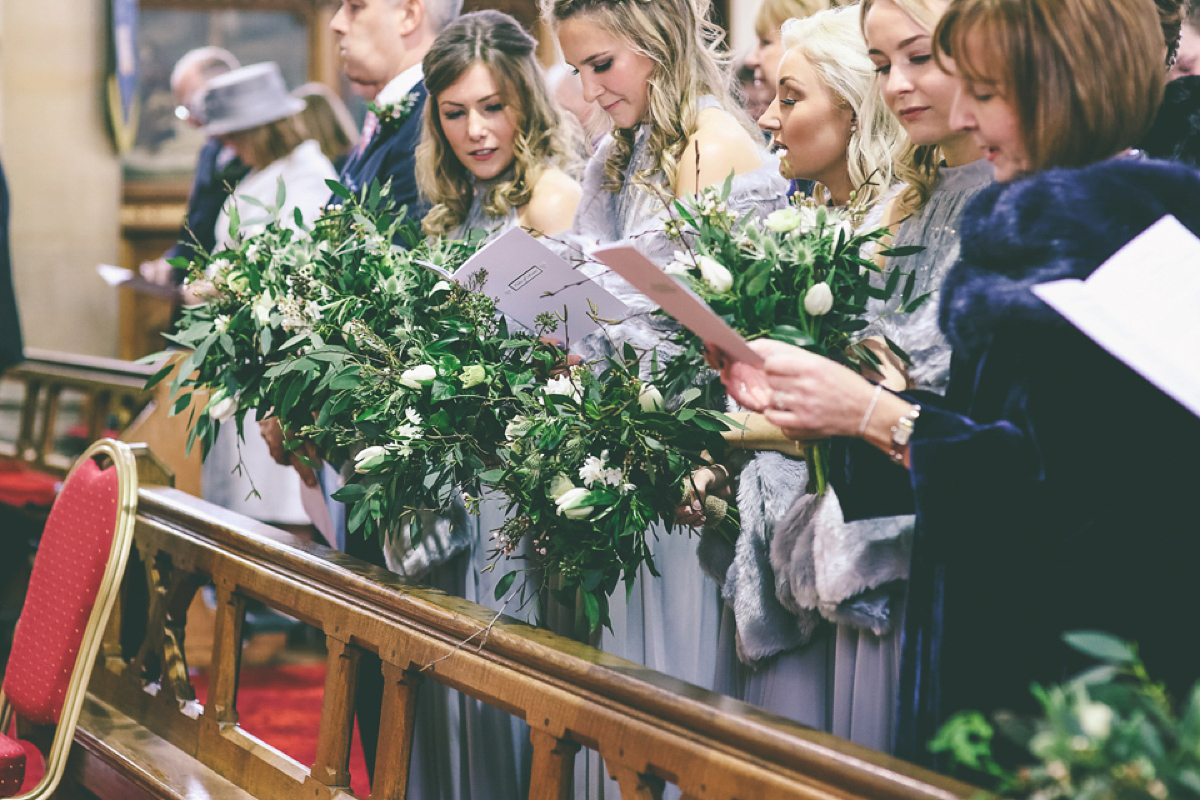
(76,575)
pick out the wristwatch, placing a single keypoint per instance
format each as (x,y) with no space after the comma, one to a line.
(902,431)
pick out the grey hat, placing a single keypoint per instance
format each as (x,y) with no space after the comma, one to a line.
(246,98)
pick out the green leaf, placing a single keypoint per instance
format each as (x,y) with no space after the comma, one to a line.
(791,335)
(350,493)
(1101,646)
(505,584)
(339,190)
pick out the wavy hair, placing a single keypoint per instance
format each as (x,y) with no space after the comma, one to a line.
(832,42)
(684,46)
(499,43)
(916,165)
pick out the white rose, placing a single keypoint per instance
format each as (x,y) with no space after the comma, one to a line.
(568,504)
(818,299)
(1096,720)
(649,398)
(783,220)
(714,274)
(559,485)
(418,376)
(563,385)
(221,407)
(369,457)
(472,374)
(441,286)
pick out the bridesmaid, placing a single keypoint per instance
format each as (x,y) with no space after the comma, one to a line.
(654,68)
(491,158)
(828,124)
(495,147)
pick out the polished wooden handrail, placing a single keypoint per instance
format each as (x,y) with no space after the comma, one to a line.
(648,728)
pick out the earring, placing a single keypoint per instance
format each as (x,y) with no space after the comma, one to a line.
(853,125)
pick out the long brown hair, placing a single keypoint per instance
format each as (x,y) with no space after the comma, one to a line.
(499,43)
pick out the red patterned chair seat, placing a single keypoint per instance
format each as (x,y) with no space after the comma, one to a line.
(12,766)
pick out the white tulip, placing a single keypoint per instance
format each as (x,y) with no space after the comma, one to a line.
(649,398)
(369,457)
(818,299)
(221,407)
(714,274)
(1096,720)
(568,504)
(418,376)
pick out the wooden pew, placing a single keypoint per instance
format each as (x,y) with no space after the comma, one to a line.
(106,391)
(143,735)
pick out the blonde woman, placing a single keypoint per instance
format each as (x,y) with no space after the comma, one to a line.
(495,145)
(653,67)
(768,25)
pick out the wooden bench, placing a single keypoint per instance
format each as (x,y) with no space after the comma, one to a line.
(106,396)
(144,735)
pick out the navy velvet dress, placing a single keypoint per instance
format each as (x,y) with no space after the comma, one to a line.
(1053,486)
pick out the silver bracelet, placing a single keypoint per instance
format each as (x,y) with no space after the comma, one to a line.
(902,431)
(862,426)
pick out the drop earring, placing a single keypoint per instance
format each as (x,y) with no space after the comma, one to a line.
(853,125)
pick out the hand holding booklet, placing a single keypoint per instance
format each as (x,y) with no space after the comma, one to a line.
(526,278)
(1140,306)
(678,301)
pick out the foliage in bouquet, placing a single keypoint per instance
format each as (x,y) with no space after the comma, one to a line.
(798,275)
(357,345)
(1108,734)
(591,463)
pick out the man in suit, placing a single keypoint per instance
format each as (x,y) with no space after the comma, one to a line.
(218,169)
(10,323)
(382,43)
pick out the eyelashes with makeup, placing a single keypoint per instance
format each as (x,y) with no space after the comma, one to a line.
(921,60)
(492,108)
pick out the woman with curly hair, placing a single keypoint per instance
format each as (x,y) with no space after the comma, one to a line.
(495,146)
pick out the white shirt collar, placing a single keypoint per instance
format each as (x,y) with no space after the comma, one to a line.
(399,86)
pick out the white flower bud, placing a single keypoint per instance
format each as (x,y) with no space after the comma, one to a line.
(560,484)
(714,274)
(818,299)
(568,504)
(220,406)
(418,376)
(1096,720)
(369,457)
(649,398)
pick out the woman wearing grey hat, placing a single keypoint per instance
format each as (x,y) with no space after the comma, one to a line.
(250,110)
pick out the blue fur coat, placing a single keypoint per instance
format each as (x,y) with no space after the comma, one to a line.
(1054,487)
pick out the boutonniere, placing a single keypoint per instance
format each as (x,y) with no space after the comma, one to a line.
(390,115)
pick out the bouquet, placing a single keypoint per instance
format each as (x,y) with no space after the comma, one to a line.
(1108,734)
(591,462)
(799,276)
(357,346)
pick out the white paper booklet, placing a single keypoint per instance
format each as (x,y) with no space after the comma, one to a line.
(678,301)
(526,279)
(1143,306)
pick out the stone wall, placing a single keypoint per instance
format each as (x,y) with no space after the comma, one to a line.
(63,173)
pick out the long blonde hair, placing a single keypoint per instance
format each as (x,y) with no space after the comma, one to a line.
(917,165)
(499,43)
(684,46)
(832,43)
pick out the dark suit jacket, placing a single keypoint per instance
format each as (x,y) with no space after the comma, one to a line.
(10,322)
(210,189)
(391,154)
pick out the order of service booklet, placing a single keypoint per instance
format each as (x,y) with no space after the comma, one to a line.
(1141,306)
(526,279)
(678,301)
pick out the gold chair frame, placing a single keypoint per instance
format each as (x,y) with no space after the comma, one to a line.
(122,458)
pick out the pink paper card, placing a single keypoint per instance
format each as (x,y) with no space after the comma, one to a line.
(678,301)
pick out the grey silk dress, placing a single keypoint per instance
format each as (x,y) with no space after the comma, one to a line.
(835,666)
(669,622)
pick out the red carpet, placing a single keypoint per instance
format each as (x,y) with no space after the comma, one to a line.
(282,706)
